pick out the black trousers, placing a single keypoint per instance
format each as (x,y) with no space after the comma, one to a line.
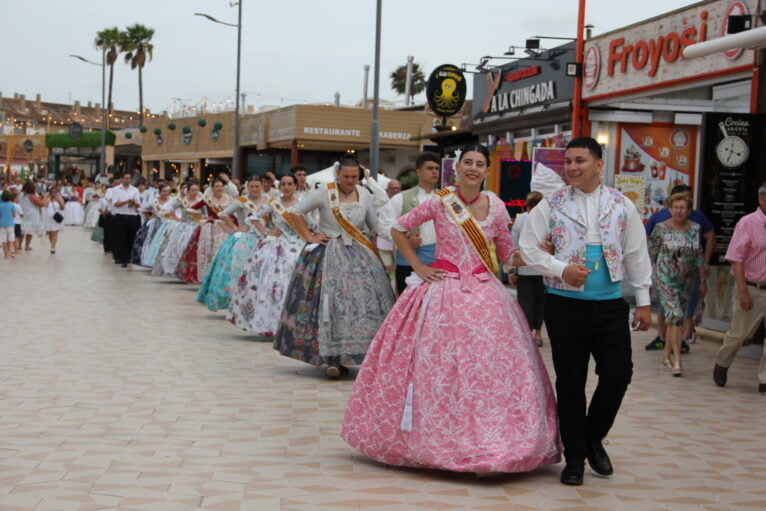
(530,291)
(402,272)
(106,224)
(579,329)
(124,228)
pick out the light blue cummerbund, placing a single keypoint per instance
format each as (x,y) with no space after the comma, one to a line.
(598,285)
(426,254)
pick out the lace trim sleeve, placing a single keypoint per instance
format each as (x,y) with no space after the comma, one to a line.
(398,227)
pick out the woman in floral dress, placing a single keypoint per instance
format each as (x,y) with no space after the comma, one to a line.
(214,230)
(339,293)
(678,262)
(260,294)
(180,233)
(453,379)
(229,263)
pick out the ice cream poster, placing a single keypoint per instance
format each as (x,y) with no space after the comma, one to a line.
(632,187)
(663,155)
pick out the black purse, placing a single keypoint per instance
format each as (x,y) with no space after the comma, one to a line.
(58,217)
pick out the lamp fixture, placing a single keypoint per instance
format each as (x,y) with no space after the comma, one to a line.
(574,69)
(532,44)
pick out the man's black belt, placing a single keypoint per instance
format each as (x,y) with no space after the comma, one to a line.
(759,285)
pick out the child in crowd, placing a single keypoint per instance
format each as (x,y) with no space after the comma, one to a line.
(19,214)
(6,223)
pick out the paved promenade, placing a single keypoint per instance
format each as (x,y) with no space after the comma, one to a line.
(118,391)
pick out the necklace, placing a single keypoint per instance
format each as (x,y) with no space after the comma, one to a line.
(467,203)
(594,261)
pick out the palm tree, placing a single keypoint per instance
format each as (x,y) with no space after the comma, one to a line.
(108,40)
(399,80)
(135,42)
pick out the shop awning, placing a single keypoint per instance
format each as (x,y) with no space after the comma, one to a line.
(87,139)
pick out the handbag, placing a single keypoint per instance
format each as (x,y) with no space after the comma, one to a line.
(58,217)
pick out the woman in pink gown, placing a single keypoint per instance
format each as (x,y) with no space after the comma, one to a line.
(453,379)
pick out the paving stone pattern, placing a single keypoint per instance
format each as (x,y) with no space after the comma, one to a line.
(118,391)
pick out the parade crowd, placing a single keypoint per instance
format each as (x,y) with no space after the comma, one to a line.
(409,285)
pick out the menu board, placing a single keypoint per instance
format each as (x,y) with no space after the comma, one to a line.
(732,170)
(632,187)
(663,155)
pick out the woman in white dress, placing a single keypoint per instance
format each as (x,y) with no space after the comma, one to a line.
(92,195)
(74,211)
(257,301)
(179,234)
(32,205)
(53,223)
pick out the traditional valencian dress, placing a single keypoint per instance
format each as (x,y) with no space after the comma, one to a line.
(147,231)
(453,379)
(339,293)
(92,195)
(178,238)
(224,270)
(152,250)
(213,233)
(74,211)
(258,299)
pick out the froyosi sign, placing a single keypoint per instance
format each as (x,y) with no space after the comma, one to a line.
(650,53)
(523,84)
(446,90)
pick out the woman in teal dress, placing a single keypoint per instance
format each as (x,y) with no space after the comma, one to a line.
(224,270)
(676,253)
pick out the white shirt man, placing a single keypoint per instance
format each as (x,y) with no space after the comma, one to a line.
(423,240)
(598,240)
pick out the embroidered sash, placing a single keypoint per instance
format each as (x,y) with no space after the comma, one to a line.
(351,230)
(195,215)
(248,204)
(464,219)
(280,210)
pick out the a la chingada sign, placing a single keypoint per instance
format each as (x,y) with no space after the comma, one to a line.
(651,52)
(446,90)
(523,84)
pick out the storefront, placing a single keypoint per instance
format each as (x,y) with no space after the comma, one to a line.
(23,154)
(186,146)
(520,109)
(316,135)
(651,108)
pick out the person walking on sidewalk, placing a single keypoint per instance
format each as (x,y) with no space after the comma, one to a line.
(598,240)
(747,255)
(125,221)
(707,235)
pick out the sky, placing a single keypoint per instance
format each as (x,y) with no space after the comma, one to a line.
(293,51)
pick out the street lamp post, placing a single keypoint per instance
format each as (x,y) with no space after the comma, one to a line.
(375,128)
(235,163)
(102,156)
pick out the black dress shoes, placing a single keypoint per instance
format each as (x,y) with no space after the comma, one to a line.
(598,459)
(719,375)
(573,472)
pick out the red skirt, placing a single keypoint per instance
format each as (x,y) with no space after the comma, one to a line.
(186,270)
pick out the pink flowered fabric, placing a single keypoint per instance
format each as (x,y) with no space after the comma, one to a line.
(481,397)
